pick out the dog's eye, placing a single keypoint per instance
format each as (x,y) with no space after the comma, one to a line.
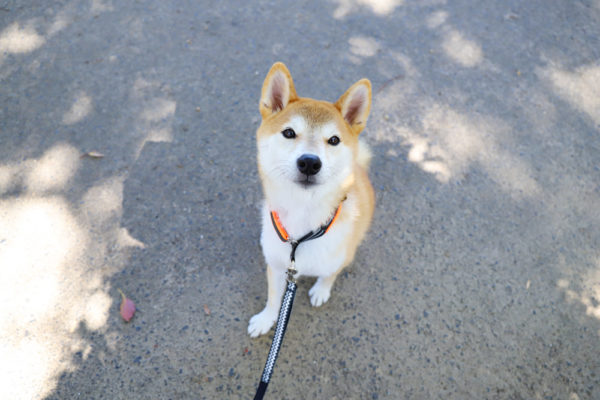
(288,133)
(334,140)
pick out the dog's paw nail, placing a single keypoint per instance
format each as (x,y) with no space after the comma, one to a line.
(261,323)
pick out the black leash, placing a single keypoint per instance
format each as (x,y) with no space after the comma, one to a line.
(282,321)
(288,298)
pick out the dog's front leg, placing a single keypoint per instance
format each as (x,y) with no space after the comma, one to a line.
(262,322)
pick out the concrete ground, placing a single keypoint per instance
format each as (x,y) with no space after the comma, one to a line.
(480,278)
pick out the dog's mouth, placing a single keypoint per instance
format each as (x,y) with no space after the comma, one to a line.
(307,181)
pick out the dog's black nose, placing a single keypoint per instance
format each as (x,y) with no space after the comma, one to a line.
(309,164)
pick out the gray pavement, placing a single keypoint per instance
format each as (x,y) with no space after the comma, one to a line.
(480,278)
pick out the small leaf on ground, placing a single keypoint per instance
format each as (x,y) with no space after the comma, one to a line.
(93,154)
(206,310)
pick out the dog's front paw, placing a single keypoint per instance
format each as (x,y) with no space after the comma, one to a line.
(319,293)
(261,323)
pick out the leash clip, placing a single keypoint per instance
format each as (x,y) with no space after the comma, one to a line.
(291,271)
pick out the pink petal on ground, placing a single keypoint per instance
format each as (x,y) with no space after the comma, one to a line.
(127,307)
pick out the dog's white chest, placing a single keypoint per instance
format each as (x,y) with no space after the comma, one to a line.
(319,257)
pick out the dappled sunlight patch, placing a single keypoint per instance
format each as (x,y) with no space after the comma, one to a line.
(160,135)
(418,149)
(580,88)
(156,131)
(7,177)
(446,144)
(40,235)
(379,7)
(158,109)
(53,170)
(40,251)
(512,175)
(96,310)
(124,239)
(102,208)
(588,292)
(26,367)
(89,303)
(464,51)
(18,39)
(104,201)
(362,47)
(155,117)
(54,262)
(438,168)
(80,109)
(62,19)
(452,136)
(455,45)
(60,22)
(436,19)
(460,141)
(102,6)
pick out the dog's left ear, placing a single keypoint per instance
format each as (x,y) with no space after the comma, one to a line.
(355,105)
(277,91)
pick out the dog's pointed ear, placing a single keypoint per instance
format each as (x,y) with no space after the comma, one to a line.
(355,105)
(277,91)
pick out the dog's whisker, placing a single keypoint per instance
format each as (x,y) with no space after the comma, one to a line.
(279,170)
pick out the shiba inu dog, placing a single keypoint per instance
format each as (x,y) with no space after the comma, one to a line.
(313,170)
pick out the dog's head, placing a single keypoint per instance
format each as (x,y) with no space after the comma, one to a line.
(305,143)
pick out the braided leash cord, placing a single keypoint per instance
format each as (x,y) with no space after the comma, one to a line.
(282,321)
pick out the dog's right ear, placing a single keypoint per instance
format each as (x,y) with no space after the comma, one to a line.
(277,91)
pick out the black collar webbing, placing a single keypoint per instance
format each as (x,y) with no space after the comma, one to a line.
(283,235)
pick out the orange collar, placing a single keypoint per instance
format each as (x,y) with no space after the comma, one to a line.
(285,237)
